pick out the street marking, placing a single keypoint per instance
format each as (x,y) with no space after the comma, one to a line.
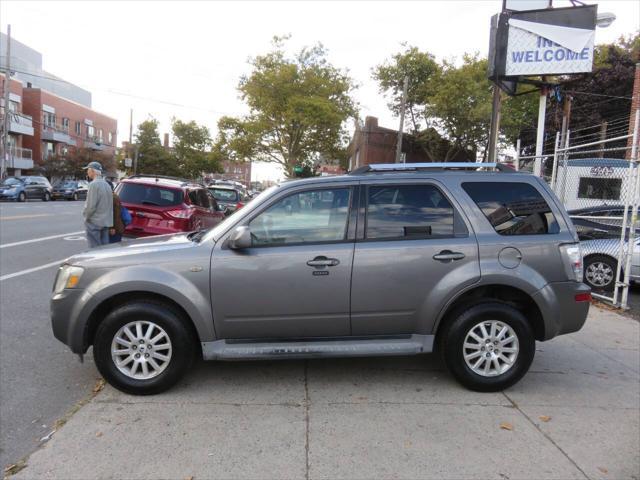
(16,217)
(31,270)
(41,239)
(77,237)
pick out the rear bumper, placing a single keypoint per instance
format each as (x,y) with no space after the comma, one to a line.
(560,310)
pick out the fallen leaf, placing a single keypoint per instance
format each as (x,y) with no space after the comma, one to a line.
(99,434)
(14,468)
(544,418)
(99,385)
(506,426)
(603,470)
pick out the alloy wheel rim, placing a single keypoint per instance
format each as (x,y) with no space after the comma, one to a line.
(141,350)
(599,274)
(490,348)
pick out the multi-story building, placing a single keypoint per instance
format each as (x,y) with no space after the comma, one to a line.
(20,128)
(49,115)
(236,171)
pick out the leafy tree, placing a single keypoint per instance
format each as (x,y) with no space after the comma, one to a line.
(71,164)
(192,149)
(298,109)
(153,158)
(420,68)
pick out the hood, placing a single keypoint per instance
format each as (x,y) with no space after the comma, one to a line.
(135,251)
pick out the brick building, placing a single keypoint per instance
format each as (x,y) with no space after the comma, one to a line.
(236,171)
(49,115)
(374,144)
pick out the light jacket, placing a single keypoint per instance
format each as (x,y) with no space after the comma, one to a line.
(98,208)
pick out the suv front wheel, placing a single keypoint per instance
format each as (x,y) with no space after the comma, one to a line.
(143,348)
(488,347)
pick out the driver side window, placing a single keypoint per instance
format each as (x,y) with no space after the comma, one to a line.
(311,216)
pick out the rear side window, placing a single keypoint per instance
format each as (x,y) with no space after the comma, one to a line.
(139,194)
(513,208)
(408,212)
(224,195)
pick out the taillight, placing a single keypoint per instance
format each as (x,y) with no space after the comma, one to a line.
(583,297)
(239,205)
(573,257)
(182,213)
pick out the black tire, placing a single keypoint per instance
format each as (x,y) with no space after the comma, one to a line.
(46,197)
(22,197)
(453,338)
(75,196)
(183,344)
(603,261)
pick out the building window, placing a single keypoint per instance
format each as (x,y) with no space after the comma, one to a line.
(13,106)
(91,132)
(100,133)
(49,119)
(65,124)
(78,128)
(599,188)
(110,138)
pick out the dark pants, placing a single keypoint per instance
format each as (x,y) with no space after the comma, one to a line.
(115,238)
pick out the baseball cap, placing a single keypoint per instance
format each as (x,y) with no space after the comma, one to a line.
(94,165)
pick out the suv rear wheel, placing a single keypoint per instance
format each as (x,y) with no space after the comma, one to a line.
(143,348)
(488,347)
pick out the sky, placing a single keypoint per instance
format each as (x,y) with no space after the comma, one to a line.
(183,59)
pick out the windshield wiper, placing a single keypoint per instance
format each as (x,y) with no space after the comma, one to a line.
(147,202)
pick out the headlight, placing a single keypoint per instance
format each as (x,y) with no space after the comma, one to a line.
(68,277)
(10,190)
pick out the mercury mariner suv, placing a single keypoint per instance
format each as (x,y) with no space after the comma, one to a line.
(472,260)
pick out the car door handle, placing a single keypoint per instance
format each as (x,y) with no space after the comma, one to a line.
(448,256)
(322,261)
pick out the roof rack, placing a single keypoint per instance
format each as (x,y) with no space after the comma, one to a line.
(404,167)
(166,177)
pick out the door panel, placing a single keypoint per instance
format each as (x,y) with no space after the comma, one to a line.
(272,292)
(294,280)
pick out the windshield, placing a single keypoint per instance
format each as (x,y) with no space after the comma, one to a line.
(224,195)
(140,194)
(67,185)
(11,182)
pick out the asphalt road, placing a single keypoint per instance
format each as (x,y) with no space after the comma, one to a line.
(40,380)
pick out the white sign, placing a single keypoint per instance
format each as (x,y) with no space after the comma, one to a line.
(527,4)
(541,49)
(128,162)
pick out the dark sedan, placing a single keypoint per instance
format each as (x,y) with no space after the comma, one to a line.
(70,190)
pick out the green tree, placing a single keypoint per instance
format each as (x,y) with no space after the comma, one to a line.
(420,68)
(153,158)
(192,149)
(298,109)
(70,165)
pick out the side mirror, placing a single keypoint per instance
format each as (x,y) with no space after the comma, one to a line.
(240,238)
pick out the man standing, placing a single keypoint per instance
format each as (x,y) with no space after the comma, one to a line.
(98,208)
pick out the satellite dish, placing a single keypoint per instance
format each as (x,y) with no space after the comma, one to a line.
(604,19)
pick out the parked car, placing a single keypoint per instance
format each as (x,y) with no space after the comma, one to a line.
(600,263)
(422,257)
(228,196)
(603,221)
(161,205)
(70,190)
(22,188)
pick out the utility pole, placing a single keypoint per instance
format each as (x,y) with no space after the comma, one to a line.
(5,129)
(404,101)
(495,123)
(130,126)
(542,112)
(603,137)
(566,118)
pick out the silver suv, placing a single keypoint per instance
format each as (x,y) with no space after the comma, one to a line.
(473,261)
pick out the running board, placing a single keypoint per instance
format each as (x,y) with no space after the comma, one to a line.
(321,348)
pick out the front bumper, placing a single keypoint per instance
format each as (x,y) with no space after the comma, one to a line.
(8,198)
(68,320)
(560,310)
(58,195)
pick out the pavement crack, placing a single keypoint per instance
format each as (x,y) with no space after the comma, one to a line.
(545,435)
(306,419)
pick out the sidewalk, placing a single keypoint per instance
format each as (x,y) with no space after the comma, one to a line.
(575,415)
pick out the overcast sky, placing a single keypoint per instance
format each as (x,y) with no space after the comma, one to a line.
(191,54)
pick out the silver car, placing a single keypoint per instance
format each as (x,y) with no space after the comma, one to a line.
(396,259)
(600,262)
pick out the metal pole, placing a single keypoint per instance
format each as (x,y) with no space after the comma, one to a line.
(495,123)
(542,111)
(135,162)
(564,166)
(603,137)
(5,129)
(634,214)
(566,117)
(518,155)
(554,171)
(404,101)
(130,126)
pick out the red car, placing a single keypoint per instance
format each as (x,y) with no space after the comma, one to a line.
(161,205)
